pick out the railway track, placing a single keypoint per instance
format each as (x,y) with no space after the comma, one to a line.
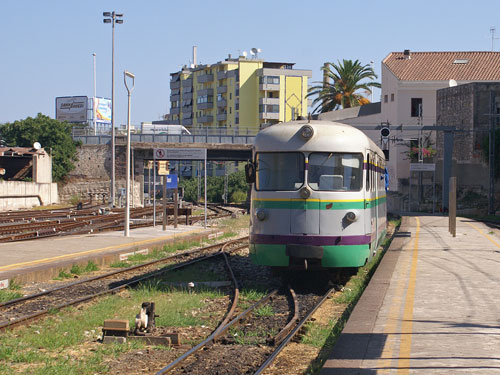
(28,225)
(249,343)
(25,309)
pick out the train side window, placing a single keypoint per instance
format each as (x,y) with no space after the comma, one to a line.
(368,172)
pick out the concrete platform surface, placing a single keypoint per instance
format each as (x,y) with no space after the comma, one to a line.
(432,307)
(36,260)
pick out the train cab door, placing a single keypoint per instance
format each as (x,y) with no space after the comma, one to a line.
(305,216)
(304,213)
(370,195)
(376,180)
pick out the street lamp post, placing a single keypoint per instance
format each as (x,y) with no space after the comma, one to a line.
(127,192)
(93,101)
(113,18)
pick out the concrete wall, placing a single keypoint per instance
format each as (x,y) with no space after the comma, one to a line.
(13,194)
(42,168)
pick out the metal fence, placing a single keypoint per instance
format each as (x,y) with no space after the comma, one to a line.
(165,138)
(207,135)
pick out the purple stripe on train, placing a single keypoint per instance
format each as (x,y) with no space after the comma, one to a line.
(374,167)
(271,239)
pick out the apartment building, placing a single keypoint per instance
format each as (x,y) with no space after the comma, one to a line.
(239,93)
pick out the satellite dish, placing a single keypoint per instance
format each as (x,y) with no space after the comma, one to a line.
(259,50)
(37,146)
(254,51)
(453,83)
(244,53)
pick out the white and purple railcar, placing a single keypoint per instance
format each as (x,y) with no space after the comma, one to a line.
(318,196)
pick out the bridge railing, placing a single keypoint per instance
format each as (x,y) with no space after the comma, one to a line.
(166,138)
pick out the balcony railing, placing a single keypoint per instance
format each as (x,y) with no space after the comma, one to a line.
(221,89)
(205,78)
(205,92)
(205,119)
(175,85)
(269,115)
(269,87)
(273,101)
(222,117)
(208,105)
(187,82)
(221,75)
(221,103)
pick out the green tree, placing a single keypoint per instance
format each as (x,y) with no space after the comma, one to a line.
(215,187)
(341,89)
(53,135)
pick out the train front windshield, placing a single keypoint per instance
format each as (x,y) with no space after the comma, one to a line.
(280,171)
(329,171)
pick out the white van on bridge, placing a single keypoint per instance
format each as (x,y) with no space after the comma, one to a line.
(150,128)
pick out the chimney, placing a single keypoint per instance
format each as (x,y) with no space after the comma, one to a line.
(194,55)
(407,54)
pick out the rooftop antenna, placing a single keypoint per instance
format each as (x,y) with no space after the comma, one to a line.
(493,37)
(255,52)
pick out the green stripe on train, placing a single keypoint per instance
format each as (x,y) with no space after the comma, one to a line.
(315,205)
(333,256)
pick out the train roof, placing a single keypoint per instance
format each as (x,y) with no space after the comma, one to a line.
(328,136)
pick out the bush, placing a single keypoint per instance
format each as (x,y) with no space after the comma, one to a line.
(75,199)
(238,197)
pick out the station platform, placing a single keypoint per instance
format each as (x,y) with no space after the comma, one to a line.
(432,306)
(42,259)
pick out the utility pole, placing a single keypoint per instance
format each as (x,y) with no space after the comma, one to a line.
(493,120)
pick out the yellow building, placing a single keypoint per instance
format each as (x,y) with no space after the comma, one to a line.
(239,93)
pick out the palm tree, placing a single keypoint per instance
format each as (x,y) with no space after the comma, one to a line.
(341,84)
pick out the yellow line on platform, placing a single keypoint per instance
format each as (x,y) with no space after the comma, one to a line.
(384,364)
(407,324)
(485,235)
(114,247)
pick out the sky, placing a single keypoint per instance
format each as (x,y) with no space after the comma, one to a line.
(47,46)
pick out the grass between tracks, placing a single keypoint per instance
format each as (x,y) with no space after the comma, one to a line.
(324,335)
(12,292)
(66,343)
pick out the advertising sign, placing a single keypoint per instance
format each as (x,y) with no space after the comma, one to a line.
(103,110)
(71,108)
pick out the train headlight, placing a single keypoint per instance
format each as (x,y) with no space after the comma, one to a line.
(306,132)
(261,214)
(305,192)
(350,217)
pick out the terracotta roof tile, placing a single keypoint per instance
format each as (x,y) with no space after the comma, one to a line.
(442,66)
